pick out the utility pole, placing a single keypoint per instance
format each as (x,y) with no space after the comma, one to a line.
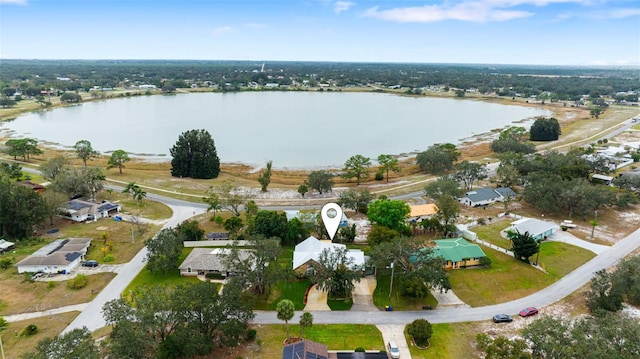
(391,284)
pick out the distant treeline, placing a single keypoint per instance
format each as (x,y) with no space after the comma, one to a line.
(552,82)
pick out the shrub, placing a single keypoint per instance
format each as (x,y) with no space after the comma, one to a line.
(379,176)
(359,350)
(485,261)
(420,330)
(109,258)
(79,282)
(30,330)
(5,263)
(251,334)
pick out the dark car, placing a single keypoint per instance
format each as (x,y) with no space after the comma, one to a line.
(502,318)
(90,263)
(529,311)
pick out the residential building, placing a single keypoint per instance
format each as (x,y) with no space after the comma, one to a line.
(485,196)
(59,256)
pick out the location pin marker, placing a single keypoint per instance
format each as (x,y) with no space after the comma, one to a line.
(331,217)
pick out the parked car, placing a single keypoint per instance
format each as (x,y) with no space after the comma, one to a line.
(393,350)
(37,275)
(529,311)
(502,318)
(90,263)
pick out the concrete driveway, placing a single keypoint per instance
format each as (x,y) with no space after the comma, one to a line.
(395,332)
(316,299)
(363,295)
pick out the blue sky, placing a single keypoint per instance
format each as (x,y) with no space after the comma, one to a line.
(536,32)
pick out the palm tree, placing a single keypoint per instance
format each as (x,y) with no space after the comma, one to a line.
(285,310)
(139,194)
(593,224)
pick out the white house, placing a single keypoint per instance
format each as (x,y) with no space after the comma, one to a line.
(59,256)
(308,251)
(487,195)
(537,229)
(81,210)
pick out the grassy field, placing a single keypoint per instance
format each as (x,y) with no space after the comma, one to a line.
(381,297)
(508,279)
(16,345)
(448,341)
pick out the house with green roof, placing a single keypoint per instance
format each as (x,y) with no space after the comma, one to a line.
(458,253)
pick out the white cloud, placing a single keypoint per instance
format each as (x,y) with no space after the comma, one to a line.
(340,6)
(14,2)
(253,25)
(622,13)
(466,10)
(221,30)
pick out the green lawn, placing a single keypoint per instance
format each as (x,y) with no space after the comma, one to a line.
(381,296)
(449,341)
(294,291)
(509,279)
(340,304)
(491,233)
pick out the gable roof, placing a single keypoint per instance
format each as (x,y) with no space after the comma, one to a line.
(457,249)
(209,259)
(505,192)
(534,226)
(58,253)
(310,249)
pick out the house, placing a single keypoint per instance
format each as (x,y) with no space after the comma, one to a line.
(305,349)
(38,188)
(422,210)
(308,252)
(538,229)
(487,195)
(81,210)
(208,260)
(458,253)
(59,256)
(6,245)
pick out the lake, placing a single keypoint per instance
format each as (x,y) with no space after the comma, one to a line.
(293,129)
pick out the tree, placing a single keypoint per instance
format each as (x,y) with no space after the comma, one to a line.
(53,167)
(214,202)
(356,166)
(23,147)
(306,321)
(508,175)
(438,158)
(388,163)
(389,213)
(443,185)
(412,258)
(421,331)
(194,155)
(469,172)
(6,102)
(513,139)
(270,224)
(265,177)
(257,268)
(80,182)
(131,188)
(190,230)
(118,159)
(448,212)
(356,199)
(335,272)
(77,343)
(550,338)
(230,197)
(303,188)
(605,294)
(84,151)
(545,129)
(523,245)
(53,201)
(321,181)
(379,234)
(11,170)
(233,225)
(627,275)
(297,231)
(70,97)
(502,348)
(20,210)
(164,251)
(285,310)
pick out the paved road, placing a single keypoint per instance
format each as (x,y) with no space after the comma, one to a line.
(91,317)
(547,296)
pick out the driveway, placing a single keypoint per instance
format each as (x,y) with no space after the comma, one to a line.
(363,295)
(316,299)
(566,237)
(395,332)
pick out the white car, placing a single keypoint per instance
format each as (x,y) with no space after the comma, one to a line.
(393,350)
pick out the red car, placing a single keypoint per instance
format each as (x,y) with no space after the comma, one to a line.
(529,311)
